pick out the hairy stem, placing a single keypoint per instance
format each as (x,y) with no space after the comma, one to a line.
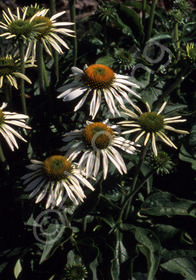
(41,67)
(151,20)
(22,69)
(73,19)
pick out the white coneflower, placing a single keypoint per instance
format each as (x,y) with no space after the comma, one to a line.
(46,31)
(10,70)
(98,80)
(57,178)
(7,121)
(96,144)
(151,124)
(16,26)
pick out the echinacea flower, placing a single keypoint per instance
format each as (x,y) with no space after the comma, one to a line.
(10,70)
(97,143)
(7,121)
(57,178)
(47,30)
(16,26)
(98,80)
(151,124)
(76,272)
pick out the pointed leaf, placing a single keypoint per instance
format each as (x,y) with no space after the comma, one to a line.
(150,246)
(166,204)
(184,266)
(17,269)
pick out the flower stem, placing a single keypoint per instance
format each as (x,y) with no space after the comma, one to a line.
(151,20)
(141,159)
(41,67)
(8,92)
(73,19)
(131,195)
(22,90)
(177,43)
(56,60)
(2,157)
(133,191)
(143,11)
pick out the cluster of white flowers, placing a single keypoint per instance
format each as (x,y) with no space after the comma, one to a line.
(97,144)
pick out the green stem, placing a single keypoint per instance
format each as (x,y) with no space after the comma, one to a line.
(2,157)
(45,74)
(56,60)
(177,43)
(176,39)
(22,69)
(41,67)
(73,19)
(8,92)
(131,195)
(143,12)
(141,159)
(151,20)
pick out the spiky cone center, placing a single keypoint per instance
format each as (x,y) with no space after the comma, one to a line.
(191,52)
(2,118)
(7,66)
(20,27)
(98,76)
(151,122)
(97,135)
(161,160)
(43,25)
(76,272)
(124,57)
(56,167)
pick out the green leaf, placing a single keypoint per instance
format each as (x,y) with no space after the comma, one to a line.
(137,5)
(150,246)
(52,244)
(166,204)
(120,256)
(106,60)
(184,266)
(167,255)
(17,269)
(130,18)
(184,155)
(159,37)
(94,264)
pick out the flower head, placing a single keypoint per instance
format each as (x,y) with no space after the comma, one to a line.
(162,163)
(151,124)
(76,272)
(97,80)
(58,177)
(10,70)
(96,143)
(16,26)
(124,60)
(46,31)
(106,12)
(9,119)
(191,51)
